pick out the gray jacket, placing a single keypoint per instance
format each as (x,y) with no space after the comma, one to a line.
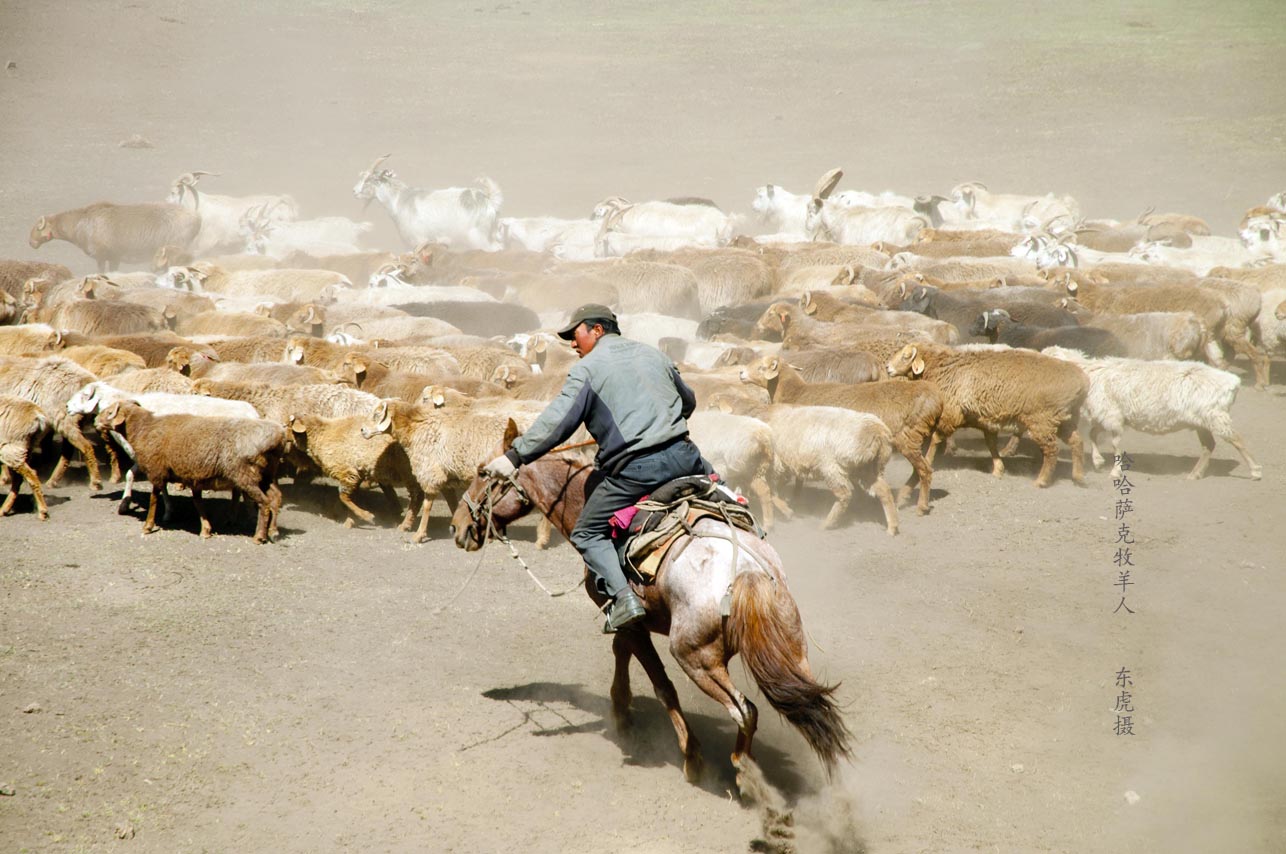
(629,396)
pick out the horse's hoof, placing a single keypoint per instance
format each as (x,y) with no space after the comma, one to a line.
(693,768)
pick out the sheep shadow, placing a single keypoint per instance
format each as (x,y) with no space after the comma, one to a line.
(227,518)
(649,742)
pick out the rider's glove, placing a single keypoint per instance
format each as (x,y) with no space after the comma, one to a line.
(501,467)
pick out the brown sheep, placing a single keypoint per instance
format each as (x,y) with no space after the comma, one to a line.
(154,347)
(22,424)
(153,379)
(50,383)
(29,339)
(230,323)
(994,390)
(278,404)
(373,377)
(102,361)
(912,411)
(97,317)
(254,348)
(204,453)
(111,233)
(15,274)
(336,446)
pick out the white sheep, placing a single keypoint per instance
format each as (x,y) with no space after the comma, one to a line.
(1158,398)
(741,450)
(221,215)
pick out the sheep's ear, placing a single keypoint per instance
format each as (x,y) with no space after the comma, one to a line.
(917,366)
(772,367)
(263,309)
(511,433)
(540,345)
(807,304)
(297,425)
(999,282)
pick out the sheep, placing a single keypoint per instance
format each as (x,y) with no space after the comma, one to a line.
(268,373)
(725,276)
(354,266)
(49,383)
(253,348)
(525,386)
(9,308)
(839,366)
(221,215)
(104,361)
(837,446)
(280,284)
(1154,334)
(455,216)
(961,308)
(317,320)
(153,379)
(741,450)
(840,277)
(738,321)
(1269,277)
(91,400)
(230,323)
(1158,398)
(614,244)
(278,404)
(402,327)
(1009,389)
(422,359)
(29,339)
(533,233)
(786,212)
(699,354)
(175,306)
(651,328)
(369,375)
(97,317)
(204,453)
(1204,254)
(999,327)
(22,425)
(962,270)
(799,331)
(336,446)
(15,274)
(543,352)
(444,446)
(1261,234)
(825,306)
(111,233)
(487,319)
(1268,326)
(912,411)
(651,286)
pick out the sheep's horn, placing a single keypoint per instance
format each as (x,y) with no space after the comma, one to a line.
(378,161)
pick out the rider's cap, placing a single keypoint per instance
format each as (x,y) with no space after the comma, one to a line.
(589,311)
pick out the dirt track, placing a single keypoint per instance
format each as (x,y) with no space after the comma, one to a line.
(310,696)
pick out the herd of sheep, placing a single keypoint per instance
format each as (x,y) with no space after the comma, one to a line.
(260,345)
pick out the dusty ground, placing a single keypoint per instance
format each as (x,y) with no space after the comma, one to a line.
(315,695)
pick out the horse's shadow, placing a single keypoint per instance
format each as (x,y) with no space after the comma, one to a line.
(650,742)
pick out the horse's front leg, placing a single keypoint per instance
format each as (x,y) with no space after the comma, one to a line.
(639,642)
(621,696)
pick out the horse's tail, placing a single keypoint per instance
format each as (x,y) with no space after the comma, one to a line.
(765,628)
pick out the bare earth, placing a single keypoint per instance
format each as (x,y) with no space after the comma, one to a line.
(327,693)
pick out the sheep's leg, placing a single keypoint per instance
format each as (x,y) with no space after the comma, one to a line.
(422,532)
(1096,437)
(1257,358)
(997,464)
(149,524)
(1116,454)
(763,491)
(880,489)
(42,509)
(839,483)
(544,532)
(1048,453)
(390,495)
(273,492)
(265,504)
(206,530)
(1011,446)
(10,475)
(1070,433)
(1232,438)
(78,441)
(60,468)
(415,497)
(346,496)
(922,471)
(113,460)
(1207,448)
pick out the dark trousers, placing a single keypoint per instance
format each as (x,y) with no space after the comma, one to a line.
(605,494)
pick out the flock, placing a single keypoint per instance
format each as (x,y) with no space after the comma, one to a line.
(823,332)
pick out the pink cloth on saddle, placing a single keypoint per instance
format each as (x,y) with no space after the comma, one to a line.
(622,518)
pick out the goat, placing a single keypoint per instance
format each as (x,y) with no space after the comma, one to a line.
(693,225)
(221,215)
(998,327)
(1009,211)
(111,233)
(328,235)
(455,216)
(203,453)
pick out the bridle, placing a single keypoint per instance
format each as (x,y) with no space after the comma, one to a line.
(482,511)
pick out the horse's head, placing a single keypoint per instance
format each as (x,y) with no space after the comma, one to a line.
(490,504)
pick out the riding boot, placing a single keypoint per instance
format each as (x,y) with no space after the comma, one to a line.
(626,610)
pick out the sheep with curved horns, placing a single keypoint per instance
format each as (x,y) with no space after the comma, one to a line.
(221,215)
(328,235)
(455,216)
(1158,398)
(1010,211)
(111,234)
(785,212)
(693,224)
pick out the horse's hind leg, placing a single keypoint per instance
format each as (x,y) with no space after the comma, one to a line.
(711,675)
(639,643)
(621,696)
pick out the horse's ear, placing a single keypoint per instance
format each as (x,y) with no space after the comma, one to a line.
(511,433)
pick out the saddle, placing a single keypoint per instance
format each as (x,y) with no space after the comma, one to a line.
(645,531)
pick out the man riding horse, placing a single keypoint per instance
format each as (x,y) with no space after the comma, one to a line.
(633,402)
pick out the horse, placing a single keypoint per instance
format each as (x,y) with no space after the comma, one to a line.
(685,602)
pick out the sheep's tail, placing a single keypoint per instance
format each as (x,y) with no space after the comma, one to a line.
(765,628)
(492,191)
